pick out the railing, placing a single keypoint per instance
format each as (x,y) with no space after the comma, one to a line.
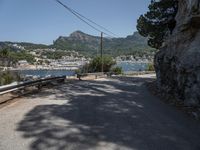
(39,83)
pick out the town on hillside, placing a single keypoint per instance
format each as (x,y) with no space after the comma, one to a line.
(57,59)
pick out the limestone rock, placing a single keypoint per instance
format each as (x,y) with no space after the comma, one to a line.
(177,63)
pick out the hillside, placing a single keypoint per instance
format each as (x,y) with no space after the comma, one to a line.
(90,45)
(21,45)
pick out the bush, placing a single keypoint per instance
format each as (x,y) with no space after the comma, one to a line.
(96,64)
(8,77)
(117,70)
(150,67)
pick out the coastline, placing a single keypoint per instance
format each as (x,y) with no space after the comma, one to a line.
(38,69)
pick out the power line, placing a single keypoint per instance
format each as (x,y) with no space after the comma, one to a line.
(79,16)
(93,22)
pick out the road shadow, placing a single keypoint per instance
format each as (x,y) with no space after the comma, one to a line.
(103,115)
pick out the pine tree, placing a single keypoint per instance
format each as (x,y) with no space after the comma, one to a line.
(158,21)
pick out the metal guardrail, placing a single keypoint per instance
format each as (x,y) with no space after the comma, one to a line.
(23,85)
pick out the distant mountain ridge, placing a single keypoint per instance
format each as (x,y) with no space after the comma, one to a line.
(90,45)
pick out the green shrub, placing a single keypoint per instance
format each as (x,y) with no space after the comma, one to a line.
(96,63)
(150,67)
(8,77)
(117,70)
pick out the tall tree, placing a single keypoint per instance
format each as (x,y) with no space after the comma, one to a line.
(158,21)
(4,53)
(5,58)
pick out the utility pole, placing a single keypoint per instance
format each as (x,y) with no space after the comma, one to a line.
(102,52)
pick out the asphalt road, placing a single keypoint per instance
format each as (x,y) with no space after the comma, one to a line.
(112,114)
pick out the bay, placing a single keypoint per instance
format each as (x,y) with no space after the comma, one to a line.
(126,67)
(132,67)
(44,73)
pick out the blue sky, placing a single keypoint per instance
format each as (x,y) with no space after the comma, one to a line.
(42,21)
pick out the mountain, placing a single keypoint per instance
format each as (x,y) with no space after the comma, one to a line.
(78,41)
(90,45)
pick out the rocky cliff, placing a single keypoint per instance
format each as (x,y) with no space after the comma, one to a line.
(178,61)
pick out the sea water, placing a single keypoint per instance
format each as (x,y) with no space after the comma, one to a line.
(126,67)
(45,73)
(132,67)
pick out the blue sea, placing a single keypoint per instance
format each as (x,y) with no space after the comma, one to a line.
(45,73)
(126,67)
(131,67)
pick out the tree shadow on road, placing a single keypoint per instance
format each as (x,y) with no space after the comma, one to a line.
(101,114)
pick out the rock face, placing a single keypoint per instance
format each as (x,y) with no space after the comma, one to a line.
(178,61)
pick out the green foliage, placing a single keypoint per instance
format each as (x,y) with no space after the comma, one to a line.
(22,55)
(86,68)
(5,59)
(117,70)
(150,67)
(56,54)
(90,45)
(158,21)
(31,46)
(4,53)
(8,77)
(78,71)
(15,56)
(96,63)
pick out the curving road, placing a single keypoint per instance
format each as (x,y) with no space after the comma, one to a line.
(107,114)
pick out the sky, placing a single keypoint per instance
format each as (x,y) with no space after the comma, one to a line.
(42,21)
